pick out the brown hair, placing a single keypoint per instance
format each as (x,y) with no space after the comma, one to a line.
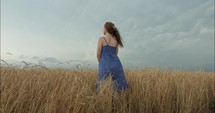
(111,29)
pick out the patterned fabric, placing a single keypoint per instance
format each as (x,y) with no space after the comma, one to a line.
(110,64)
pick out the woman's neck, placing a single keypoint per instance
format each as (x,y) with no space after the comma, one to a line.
(108,35)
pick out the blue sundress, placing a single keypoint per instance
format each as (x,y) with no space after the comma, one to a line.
(110,64)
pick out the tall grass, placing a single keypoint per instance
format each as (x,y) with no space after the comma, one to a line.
(73,91)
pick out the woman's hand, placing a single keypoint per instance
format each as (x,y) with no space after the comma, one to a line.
(98,58)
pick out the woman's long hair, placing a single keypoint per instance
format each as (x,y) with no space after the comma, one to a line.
(110,27)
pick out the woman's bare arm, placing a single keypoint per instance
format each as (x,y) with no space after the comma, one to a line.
(99,48)
(117,49)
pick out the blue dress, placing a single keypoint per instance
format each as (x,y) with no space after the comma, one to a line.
(110,64)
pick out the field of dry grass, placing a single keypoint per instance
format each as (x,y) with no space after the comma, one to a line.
(73,91)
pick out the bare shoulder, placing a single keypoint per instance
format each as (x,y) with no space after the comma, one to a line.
(100,39)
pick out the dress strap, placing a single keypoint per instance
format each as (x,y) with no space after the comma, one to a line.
(105,40)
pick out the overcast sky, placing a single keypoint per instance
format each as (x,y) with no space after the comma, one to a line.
(155,32)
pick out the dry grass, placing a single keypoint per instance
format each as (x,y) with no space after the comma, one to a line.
(73,91)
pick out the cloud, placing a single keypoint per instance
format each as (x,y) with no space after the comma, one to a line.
(35,57)
(22,57)
(50,60)
(155,32)
(186,39)
(45,60)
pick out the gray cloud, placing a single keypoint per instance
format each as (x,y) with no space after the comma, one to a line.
(23,57)
(50,60)
(173,33)
(186,39)
(35,57)
(45,60)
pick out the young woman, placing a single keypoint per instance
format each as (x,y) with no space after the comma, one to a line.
(109,63)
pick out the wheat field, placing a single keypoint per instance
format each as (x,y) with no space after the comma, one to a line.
(150,90)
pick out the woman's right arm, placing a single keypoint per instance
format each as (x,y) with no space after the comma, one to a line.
(117,49)
(99,48)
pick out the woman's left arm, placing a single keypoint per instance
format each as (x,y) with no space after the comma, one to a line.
(99,48)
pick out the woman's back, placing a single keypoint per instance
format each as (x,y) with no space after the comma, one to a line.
(109,47)
(111,41)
